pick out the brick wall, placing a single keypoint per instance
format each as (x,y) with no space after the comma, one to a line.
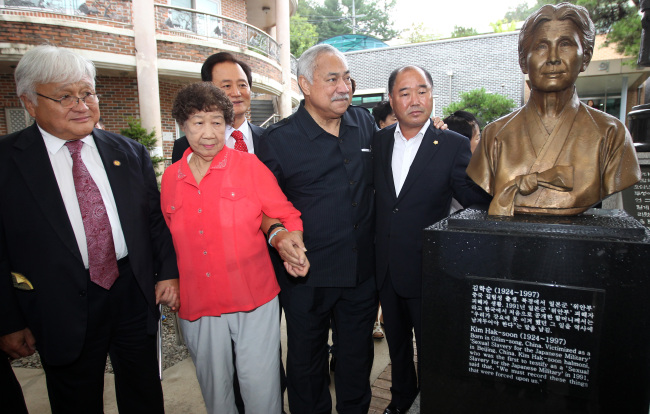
(37,34)
(235,9)
(483,61)
(118,101)
(262,68)
(168,91)
(198,53)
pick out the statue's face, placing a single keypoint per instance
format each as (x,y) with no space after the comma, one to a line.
(555,58)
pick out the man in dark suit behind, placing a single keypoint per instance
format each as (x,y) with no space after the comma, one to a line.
(235,79)
(417,170)
(77,295)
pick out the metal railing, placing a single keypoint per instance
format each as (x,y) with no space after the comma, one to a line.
(183,21)
(175,20)
(118,11)
(209,26)
(275,118)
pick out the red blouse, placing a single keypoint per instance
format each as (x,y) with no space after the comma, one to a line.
(222,254)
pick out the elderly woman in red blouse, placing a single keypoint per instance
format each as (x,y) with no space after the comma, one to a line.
(214,199)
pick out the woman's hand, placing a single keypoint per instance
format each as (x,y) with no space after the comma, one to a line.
(292,250)
(167,293)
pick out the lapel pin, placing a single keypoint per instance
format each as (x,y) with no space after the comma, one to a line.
(435,142)
(117,163)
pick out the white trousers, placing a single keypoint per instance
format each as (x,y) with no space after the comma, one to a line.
(256,338)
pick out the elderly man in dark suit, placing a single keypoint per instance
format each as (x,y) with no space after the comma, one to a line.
(234,77)
(417,170)
(85,255)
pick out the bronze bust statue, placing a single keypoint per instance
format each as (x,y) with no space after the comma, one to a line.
(555,155)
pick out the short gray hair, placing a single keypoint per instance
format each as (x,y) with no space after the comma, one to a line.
(50,64)
(307,61)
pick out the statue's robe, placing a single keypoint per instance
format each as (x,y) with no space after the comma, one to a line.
(529,170)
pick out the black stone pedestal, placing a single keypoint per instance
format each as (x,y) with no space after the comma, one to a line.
(532,314)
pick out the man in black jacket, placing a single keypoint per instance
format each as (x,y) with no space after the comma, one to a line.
(85,254)
(417,170)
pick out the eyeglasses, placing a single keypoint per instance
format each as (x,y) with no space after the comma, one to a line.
(69,101)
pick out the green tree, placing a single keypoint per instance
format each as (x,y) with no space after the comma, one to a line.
(334,17)
(460,31)
(620,20)
(626,33)
(420,33)
(501,26)
(329,20)
(303,34)
(373,17)
(521,12)
(486,106)
(138,133)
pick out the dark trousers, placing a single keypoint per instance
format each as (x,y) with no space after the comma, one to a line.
(117,326)
(11,395)
(307,312)
(401,317)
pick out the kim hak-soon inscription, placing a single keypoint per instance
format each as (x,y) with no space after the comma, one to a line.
(571,304)
(636,199)
(530,333)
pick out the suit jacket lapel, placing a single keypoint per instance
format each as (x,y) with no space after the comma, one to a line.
(387,161)
(256,132)
(34,164)
(431,141)
(116,164)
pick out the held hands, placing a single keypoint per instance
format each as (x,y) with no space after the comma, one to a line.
(167,293)
(18,344)
(292,250)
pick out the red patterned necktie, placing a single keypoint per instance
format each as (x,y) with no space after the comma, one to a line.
(102,262)
(240,145)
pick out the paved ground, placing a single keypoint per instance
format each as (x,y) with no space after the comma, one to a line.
(182,393)
(381,392)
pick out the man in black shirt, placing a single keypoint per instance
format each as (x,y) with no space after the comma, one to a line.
(322,159)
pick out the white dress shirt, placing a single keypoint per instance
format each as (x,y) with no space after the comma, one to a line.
(61,161)
(404,152)
(248,136)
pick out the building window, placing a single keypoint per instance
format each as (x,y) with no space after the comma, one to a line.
(609,104)
(199,23)
(17,119)
(64,6)
(367,101)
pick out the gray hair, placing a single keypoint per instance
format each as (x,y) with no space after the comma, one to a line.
(307,61)
(50,64)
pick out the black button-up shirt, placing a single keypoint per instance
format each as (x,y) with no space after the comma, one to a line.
(329,180)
